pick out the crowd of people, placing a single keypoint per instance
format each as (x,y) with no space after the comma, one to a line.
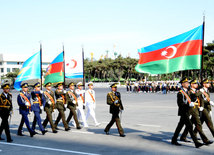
(157,86)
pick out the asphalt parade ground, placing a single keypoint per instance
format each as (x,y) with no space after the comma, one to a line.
(149,121)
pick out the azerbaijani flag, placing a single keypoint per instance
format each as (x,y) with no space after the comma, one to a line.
(31,69)
(55,71)
(182,52)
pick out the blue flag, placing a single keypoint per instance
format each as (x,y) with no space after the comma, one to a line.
(31,69)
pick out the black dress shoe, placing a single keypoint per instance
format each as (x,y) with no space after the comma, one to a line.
(107,132)
(43,132)
(9,140)
(56,128)
(122,135)
(175,143)
(67,129)
(2,138)
(20,134)
(54,131)
(208,142)
(185,140)
(32,134)
(197,145)
(78,127)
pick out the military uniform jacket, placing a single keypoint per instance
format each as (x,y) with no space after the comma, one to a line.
(60,99)
(49,99)
(183,104)
(6,102)
(38,100)
(205,100)
(23,109)
(71,97)
(111,97)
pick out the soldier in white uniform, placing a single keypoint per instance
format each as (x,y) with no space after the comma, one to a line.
(81,103)
(91,103)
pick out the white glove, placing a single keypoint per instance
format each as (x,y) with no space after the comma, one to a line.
(202,90)
(192,104)
(54,110)
(116,101)
(212,103)
(27,103)
(41,107)
(64,91)
(74,102)
(201,108)
(41,91)
(65,105)
(49,102)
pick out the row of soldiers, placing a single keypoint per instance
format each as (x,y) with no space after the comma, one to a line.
(195,103)
(153,87)
(73,99)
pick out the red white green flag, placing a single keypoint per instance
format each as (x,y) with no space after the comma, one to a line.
(182,52)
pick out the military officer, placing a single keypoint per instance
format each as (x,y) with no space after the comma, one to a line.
(60,105)
(81,103)
(194,111)
(184,102)
(71,101)
(49,106)
(206,104)
(114,100)
(24,102)
(6,108)
(37,107)
(91,103)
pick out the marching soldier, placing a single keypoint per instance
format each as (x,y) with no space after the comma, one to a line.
(6,109)
(60,105)
(71,101)
(194,111)
(49,106)
(37,107)
(81,103)
(91,103)
(184,102)
(24,102)
(114,100)
(206,104)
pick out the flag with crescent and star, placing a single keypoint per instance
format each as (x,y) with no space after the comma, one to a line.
(74,66)
(182,52)
(31,69)
(55,71)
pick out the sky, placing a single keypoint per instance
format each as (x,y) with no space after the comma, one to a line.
(121,26)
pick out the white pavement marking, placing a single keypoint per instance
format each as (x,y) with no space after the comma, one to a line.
(155,126)
(47,148)
(83,132)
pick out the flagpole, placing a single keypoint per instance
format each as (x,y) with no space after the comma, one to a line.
(41,62)
(64,64)
(202,56)
(83,67)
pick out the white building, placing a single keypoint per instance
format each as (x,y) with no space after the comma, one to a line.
(13,62)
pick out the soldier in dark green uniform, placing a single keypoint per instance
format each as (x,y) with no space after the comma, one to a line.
(194,111)
(71,101)
(184,102)
(114,100)
(6,108)
(206,103)
(60,105)
(49,106)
